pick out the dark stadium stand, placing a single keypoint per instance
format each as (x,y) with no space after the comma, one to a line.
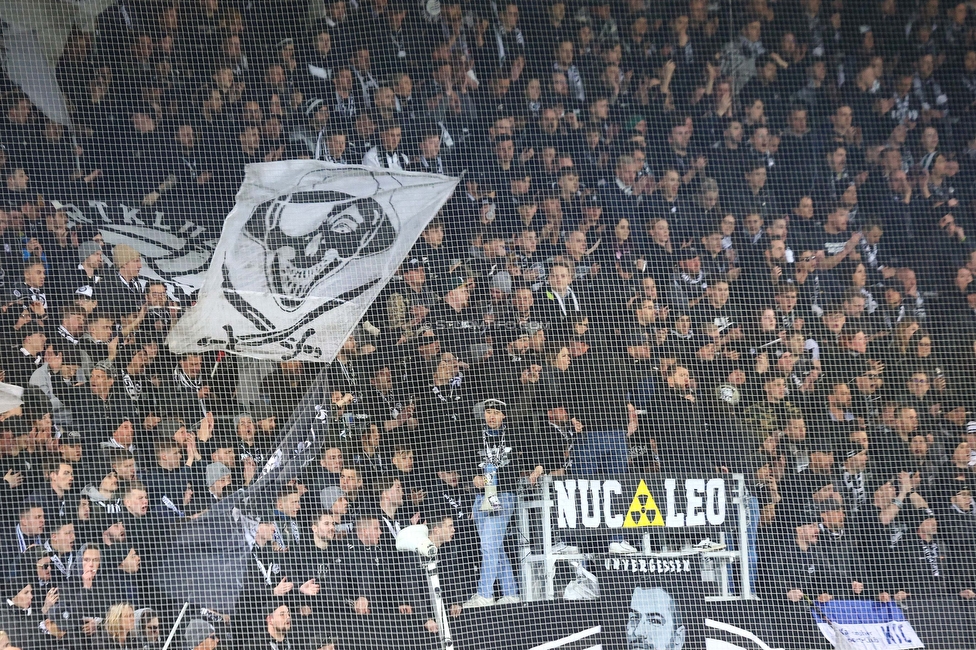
(690,239)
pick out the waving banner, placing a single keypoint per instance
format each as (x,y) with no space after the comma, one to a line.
(174,249)
(306,249)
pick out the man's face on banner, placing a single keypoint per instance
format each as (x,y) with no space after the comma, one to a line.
(654,622)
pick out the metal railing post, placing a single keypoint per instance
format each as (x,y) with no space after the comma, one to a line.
(549,565)
(744,515)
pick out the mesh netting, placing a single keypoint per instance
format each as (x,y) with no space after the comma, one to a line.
(682,356)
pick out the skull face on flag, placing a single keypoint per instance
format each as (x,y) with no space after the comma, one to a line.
(305,251)
(309,236)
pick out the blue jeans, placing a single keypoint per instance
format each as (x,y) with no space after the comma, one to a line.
(494,560)
(601,452)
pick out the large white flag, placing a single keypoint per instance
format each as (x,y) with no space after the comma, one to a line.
(305,251)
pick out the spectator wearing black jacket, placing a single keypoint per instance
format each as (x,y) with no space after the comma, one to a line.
(87,595)
(678,434)
(931,579)
(957,519)
(445,493)
(137,544)
(320,559)
(57,499)
(327,472)
(370,571)
(390,498)
(29,357)
(277,630)
(44,579)
(756,196)
(187,391)
(170,482)
(266,583)
(133,168)
(124,290)
(19,535)
(17,616)
(297,376)
(838,547)
(455,572)
(188,167)
(419,626)
(62,552)
(622,196)
(800,571)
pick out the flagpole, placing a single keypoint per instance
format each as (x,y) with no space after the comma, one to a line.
(179,619)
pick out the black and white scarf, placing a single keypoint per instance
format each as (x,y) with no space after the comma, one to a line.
(293,527)
(184,380)
(269,569)
(62,566)
(23,542)
(32,293)
(496,451)
(698,282)
(855,485)
(67,336)
(450,395)
(435,164)
(930,553)
(35,358)
(133,387)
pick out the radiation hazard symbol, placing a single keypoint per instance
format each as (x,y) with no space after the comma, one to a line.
(643,510)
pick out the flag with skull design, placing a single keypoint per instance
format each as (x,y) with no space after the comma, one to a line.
(305,251)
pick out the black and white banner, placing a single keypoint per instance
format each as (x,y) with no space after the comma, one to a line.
(637,501)
(174,249)
(306,249)
(650,610)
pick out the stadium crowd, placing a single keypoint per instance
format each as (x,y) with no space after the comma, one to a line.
(696,238)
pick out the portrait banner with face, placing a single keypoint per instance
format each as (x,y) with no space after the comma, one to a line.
(657,606)
(305,251)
